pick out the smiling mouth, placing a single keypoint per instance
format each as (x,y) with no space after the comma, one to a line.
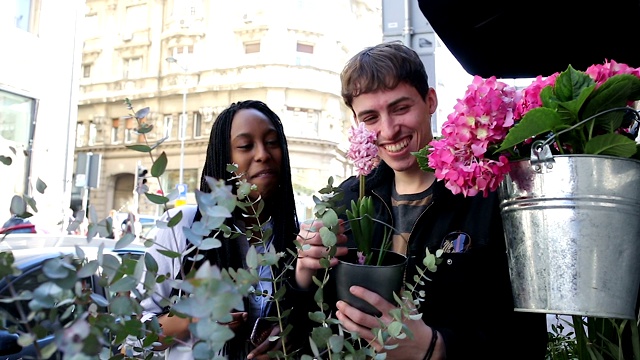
(392,148)
(263,174)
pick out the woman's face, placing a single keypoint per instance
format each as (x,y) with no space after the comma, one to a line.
(255,148)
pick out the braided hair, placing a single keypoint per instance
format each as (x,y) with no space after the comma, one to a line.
(280,206)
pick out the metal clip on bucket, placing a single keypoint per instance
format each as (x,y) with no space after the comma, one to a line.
(541,156)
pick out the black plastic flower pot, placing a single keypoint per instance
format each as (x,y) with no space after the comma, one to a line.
(384,279)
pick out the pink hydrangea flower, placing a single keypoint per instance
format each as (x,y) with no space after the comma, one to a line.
(602,72)
(481,118)
(531,95)
(363,151)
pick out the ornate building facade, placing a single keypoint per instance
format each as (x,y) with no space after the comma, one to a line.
(187,60)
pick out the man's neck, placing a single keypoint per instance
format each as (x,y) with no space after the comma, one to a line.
(413,182)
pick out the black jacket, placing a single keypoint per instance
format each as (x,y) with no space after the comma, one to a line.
(469,299)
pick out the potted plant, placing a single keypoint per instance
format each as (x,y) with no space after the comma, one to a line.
(377,269)
(561,153)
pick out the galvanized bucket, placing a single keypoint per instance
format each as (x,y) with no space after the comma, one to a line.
(572,226)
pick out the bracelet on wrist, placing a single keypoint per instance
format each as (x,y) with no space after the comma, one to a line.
(432,344)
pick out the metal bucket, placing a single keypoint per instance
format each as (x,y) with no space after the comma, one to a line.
(572,228)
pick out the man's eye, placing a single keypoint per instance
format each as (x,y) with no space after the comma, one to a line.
(402,109)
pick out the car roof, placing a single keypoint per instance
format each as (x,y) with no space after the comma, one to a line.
(33,248)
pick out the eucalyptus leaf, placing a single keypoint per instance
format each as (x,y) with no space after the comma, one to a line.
(156,199)
(159,165)
(40,186)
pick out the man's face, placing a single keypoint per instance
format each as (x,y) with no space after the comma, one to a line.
(402,121)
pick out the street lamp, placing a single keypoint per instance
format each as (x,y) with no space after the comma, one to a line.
(182,131)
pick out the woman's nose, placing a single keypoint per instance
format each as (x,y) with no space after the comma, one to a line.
(261,153)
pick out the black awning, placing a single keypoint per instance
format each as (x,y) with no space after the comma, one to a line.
(513,39)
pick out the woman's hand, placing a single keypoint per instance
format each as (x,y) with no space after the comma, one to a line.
(261,350)
(237,319)
(313,250)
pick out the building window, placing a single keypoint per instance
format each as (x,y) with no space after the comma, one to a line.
(80,134)
(115,125)
(18,13)
(167,125)
(302,122)
(129,135)
(197,125)
(183,121)
(170,178)
(251,47)
(93,134)
(136,19)
(86,70)
(304,53)
(91,28)
(17,124)
(304,48)
(132,68)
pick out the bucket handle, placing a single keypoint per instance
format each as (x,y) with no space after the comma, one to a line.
(541,152)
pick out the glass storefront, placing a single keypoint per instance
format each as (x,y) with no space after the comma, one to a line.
(17,121)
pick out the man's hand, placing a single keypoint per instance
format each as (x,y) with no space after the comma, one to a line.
(356,321)
(313,250)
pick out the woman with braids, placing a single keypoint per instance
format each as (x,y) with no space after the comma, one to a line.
(250,135)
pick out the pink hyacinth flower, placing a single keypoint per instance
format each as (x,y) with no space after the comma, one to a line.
(363,151)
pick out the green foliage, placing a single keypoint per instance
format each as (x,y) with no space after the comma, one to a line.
(579,117)
(95,325)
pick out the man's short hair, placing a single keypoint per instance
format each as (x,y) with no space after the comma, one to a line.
(383,67)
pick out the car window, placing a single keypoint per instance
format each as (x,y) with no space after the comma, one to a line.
(29,280)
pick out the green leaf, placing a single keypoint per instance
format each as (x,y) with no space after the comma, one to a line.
(328,237)
(142,113)
(534,122)
(26,339)
(570,83)
(321,335)
(330,218)
(423,160)
(6,160)
(169,253)
(156,199)
(40,186)
(99,300)
(158,167)
(615,92)
(18,206)
(175,219)
(139,148)
(124,284)
(336,343)
(611,144)
(88,270)
(317,316)
(124,241)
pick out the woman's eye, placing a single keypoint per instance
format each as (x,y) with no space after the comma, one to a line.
(245,146)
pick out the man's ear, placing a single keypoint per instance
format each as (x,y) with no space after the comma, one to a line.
(432,100)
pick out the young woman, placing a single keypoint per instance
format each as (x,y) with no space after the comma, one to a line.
(250,135)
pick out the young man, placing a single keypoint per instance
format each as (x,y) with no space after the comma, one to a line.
(468,310)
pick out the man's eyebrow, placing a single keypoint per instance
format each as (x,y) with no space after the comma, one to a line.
(391,104)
